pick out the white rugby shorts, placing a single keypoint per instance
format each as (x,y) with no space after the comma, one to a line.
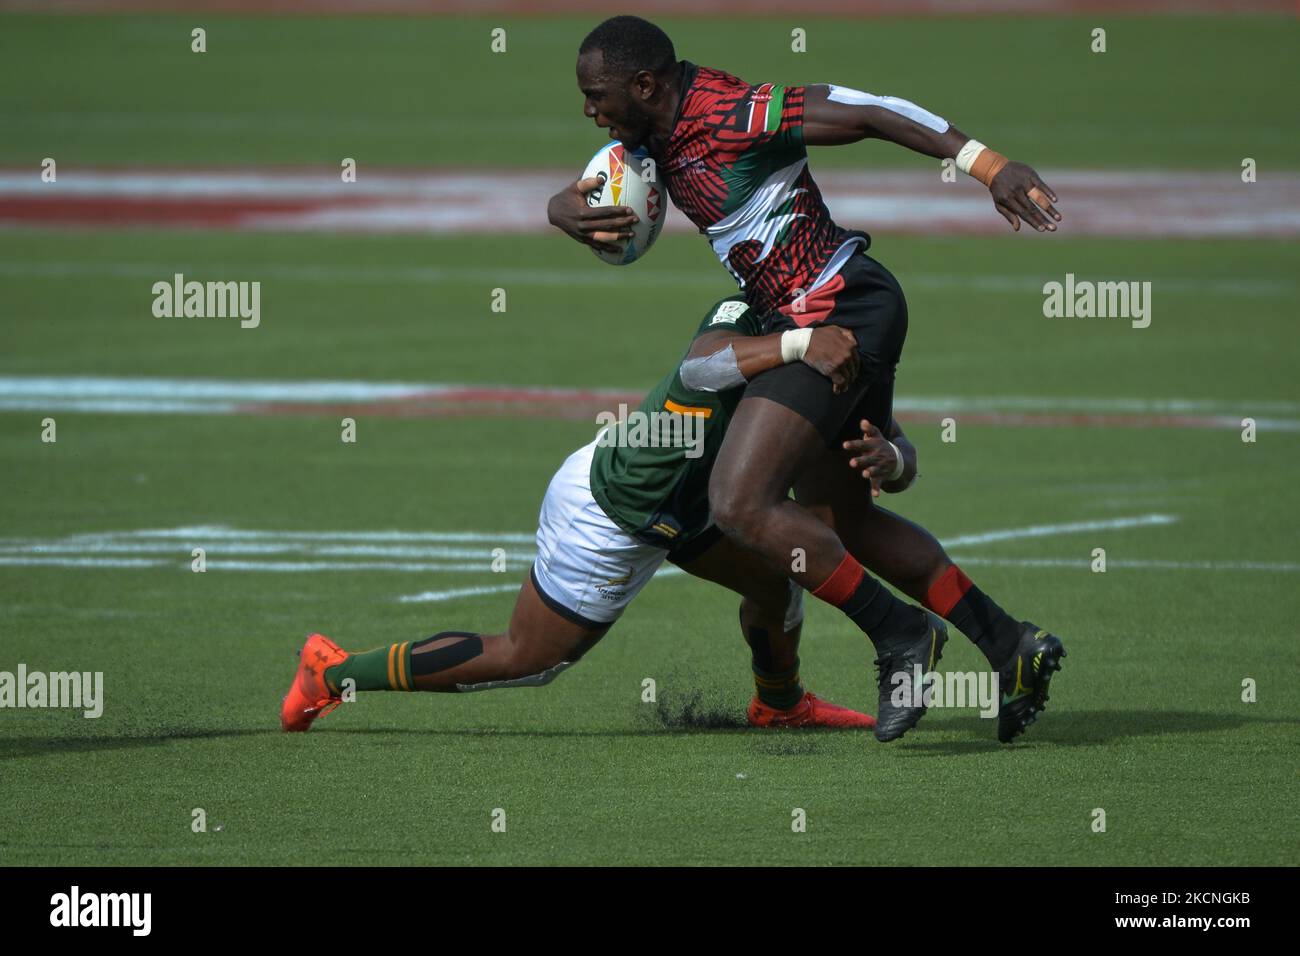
(588,569)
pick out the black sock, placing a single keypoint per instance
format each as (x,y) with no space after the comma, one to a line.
(867,602)
(995,632)
(779,689)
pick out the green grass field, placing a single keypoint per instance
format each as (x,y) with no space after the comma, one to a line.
(1169,91)
(1146,720)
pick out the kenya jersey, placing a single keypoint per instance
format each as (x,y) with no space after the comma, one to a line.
(736,165)
(650,473)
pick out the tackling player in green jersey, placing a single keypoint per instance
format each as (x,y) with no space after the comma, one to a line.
(637,495)
(616,509)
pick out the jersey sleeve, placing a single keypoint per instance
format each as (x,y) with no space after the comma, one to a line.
(732,314)
(767,114)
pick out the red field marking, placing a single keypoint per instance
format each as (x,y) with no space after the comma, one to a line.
(1076,420)
(132,211)
(1148,203)
(483,402)
(585,405)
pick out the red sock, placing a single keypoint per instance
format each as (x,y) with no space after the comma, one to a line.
(955,597)
(844,580)
(865,601)
(944,594)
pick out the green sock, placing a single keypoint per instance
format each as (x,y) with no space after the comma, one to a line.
(779,689)
(384,668)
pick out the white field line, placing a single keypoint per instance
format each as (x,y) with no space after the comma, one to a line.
(234,390)
(223,533)
(1272,287)
(433,597)
(299,567)
(195,396)
(116,406)
(117,550)
(1051,530)
(261,548)
(1030,403)
(34,561)
(144,406)
(218,541)
(266,184)
(1085,564)
(219,564)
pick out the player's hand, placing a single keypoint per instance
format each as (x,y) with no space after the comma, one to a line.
(833,351)
(601,226)
(874,456)
(1019,193)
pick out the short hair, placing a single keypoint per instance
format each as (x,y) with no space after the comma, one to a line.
(630,45)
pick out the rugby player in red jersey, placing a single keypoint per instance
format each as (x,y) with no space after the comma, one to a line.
(733,157)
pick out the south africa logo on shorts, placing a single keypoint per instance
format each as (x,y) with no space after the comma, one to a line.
(615,589)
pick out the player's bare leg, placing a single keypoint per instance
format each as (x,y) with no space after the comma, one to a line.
(771,621)
(539,644)
(536,646)
(766,448)
(900,551)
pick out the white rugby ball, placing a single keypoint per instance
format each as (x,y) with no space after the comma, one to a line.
(623,182)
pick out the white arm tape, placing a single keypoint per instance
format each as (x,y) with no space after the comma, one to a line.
(712,373)
(532,680)
(844,94)
(898,468)
(967,154)
(794,344)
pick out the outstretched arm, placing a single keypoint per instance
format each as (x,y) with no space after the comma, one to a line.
(725,358)
(836,115)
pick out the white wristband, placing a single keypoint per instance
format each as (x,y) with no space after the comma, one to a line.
(900,467)
(794,344)
(967,154)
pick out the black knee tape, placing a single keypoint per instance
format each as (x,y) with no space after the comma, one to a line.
(442,658)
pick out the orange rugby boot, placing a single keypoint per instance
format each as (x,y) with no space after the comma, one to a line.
(811,711)
(309,696)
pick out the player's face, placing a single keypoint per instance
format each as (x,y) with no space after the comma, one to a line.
(608,100)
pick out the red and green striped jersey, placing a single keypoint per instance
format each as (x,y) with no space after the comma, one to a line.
(736,165)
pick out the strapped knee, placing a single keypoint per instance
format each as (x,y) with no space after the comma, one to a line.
(531,680)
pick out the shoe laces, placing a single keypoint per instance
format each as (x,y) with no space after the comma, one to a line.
(886,669)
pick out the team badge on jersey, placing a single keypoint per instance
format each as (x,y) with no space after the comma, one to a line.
(729,312)
(765,105)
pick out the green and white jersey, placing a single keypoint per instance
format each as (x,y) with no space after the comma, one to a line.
(650,472)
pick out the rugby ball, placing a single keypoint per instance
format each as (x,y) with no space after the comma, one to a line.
(628,179)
